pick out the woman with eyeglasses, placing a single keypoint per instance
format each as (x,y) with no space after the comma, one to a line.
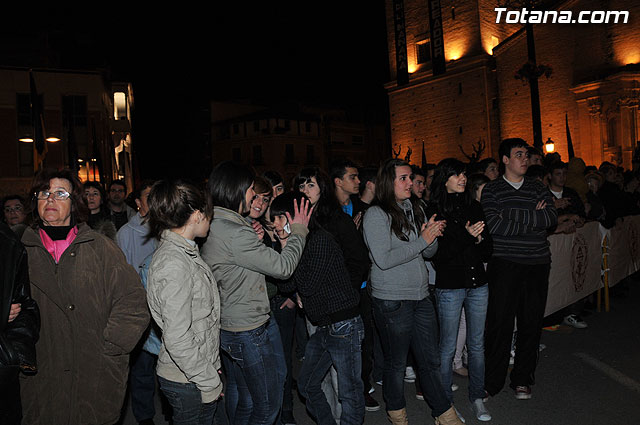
(14,211)
(93,310)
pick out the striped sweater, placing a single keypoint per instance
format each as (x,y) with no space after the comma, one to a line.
(519,230)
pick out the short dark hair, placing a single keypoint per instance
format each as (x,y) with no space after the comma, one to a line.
(273,177)
(536,171)
(338,168)
(417,171)
(531,150)
(556,165)
(145,184)
(98,187)
(79,210)
(484,163)
(606,166)
(508,144)
(366,175)
(284,203)
(11,198)
(118,183)
(171,204)
(228,184)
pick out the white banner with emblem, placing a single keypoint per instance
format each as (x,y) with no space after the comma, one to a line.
(575,266)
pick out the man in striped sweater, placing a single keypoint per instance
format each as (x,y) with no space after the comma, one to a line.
(518,211)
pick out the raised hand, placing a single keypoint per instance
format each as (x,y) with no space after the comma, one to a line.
(541,205)
(301,213)
(432,229)
(258,229)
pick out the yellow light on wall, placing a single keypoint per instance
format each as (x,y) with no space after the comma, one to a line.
(549,145)
(52,139)
(26,140)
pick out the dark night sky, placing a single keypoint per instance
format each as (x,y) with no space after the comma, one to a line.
(331,51)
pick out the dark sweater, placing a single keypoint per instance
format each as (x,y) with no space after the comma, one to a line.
(459,259)
(519,231)
(322,281)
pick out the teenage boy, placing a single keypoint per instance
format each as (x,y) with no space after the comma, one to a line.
(518,211)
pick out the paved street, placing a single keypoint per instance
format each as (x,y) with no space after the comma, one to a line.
(585,376)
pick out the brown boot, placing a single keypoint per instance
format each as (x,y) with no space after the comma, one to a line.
(449,418)
(398,417)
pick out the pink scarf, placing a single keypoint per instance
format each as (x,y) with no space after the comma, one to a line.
(56,248)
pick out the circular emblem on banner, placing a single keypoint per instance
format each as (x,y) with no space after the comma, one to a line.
(579,255)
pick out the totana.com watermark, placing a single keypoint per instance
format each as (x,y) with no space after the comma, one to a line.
(525,16)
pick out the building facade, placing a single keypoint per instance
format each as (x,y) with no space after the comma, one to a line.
(87,126)
(593,84)
(287,138)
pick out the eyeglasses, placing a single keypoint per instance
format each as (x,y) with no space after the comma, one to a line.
(58,195)
(17,208)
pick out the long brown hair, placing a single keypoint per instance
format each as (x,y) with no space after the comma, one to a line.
(386,199)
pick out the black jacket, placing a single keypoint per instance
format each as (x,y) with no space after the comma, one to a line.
(349,238)
(459,259)
(18,337)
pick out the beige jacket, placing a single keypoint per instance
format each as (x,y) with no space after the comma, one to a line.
(184,302)
(240,261)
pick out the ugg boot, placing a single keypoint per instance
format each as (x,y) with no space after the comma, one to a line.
(449,418)
(398,417)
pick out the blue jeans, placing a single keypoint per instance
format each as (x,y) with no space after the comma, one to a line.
(404,325)
(286,320)
(186,401)
(338,344)
(450,302)
(256,360)
(142,384)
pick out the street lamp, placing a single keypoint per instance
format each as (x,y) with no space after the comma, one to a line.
(549,145)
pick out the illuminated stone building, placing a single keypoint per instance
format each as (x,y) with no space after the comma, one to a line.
(288,138)
(595,80)
(87,125)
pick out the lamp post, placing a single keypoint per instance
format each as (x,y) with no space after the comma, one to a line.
(549,145)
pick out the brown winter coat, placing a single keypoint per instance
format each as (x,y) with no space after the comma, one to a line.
(93,310)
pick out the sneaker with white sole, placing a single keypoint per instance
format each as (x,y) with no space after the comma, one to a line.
(409,375)
(575,321)
(523,392)
(480,410)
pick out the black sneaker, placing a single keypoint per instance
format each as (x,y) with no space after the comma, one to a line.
(286,418)
(370,403)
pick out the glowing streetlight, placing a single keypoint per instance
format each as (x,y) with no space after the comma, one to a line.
(549,145)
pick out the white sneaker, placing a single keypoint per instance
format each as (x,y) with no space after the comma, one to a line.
(409,375)
(575,321)
(480,410)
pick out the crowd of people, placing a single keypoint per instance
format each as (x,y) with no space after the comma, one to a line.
(365,275)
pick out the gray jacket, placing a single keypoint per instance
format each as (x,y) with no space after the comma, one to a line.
(398,271)
(184,302)
(240,261)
